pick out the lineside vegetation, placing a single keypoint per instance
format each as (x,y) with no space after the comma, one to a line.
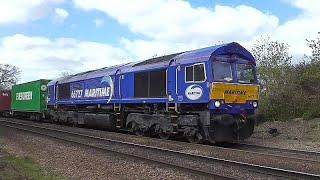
(288,90)
(14,167)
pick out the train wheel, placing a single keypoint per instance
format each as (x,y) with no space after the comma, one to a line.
(196,138)
(137,130)
(74,124)
(163,135)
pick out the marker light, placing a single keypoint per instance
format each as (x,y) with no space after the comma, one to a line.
(255,104)
(217,104)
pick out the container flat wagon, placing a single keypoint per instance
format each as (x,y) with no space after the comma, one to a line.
(30,99)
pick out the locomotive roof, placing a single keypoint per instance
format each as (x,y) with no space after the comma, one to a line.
(154,60)
(218,50)
(90,74)
(193,56)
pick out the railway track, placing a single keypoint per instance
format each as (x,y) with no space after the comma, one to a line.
(204,166)
(313,156)
(291,159)
(67,136)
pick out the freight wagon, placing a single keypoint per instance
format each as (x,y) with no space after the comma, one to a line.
(5,103)
(30,99)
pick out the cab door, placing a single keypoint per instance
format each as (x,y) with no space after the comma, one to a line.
(117,84)
(172,82)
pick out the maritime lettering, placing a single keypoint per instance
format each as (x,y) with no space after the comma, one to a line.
(91,93)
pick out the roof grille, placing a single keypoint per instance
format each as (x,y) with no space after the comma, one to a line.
(157,59)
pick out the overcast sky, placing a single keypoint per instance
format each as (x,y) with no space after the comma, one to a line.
(46,37)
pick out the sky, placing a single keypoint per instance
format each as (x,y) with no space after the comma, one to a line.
(45,38)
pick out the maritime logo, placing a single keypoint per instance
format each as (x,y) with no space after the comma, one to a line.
(235,92)
(109,80)
(194,92)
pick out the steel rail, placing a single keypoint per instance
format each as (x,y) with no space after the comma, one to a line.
(276,172)
(282,150)
(306,156)
(179,167)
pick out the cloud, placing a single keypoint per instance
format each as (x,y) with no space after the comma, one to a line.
(172,26)
(145,49)
(23,11)
(98,22)
(310,7)
(304,26)
(40,57)
(60,15)
(169,26)
(163,26)
(179,21)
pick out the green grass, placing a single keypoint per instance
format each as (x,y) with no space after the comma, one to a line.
(12,168)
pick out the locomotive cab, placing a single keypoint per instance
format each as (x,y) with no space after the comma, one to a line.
(233,98)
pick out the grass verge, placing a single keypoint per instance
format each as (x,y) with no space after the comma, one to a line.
(13,167)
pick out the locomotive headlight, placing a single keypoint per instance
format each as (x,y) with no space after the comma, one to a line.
(255,104)
(217,104)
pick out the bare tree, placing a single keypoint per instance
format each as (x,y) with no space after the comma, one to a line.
(9,76)
(273,60)
(314,44)
(154,56)
(275,75)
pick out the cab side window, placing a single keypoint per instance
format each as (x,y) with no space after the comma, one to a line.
(189,74)
(195,73)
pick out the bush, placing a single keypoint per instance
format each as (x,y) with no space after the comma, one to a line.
(287,90)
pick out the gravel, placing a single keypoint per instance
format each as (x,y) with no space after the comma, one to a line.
(185,161)
(295,134)
(197,149)
(78,162)
(200,149)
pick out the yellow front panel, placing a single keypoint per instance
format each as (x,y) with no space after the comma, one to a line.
(235,93)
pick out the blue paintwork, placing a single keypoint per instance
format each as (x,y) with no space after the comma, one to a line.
(122,77)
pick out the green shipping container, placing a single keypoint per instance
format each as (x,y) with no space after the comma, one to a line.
(30,97)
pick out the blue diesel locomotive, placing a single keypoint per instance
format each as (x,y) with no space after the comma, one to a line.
(209,94)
